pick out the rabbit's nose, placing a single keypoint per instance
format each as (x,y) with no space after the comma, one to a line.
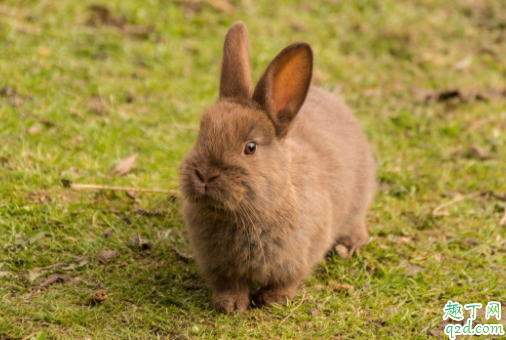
(207,177)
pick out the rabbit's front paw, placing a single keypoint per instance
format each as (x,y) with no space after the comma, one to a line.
(280,295)
(231,301)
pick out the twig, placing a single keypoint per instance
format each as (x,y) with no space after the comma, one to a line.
(184,256)
(455,200)
(294,308)
(28,337)
(50,266)
(106,187)
(20,26)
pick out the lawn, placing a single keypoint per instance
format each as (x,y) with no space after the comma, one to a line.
(85,84)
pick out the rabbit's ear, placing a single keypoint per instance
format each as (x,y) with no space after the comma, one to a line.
(283,87)
(235,79)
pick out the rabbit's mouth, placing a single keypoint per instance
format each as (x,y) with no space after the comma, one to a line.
(206,196)
(216,202)
(207,201)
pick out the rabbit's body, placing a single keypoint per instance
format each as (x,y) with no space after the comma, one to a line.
(267,218)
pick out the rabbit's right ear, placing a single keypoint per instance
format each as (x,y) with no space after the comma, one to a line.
(283,87)
(235,79)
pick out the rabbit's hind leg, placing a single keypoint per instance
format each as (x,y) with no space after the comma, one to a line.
(356,236)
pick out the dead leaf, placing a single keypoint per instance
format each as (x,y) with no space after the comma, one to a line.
(35,129)
(142,32)
(108,232)
(319,287)
(182,255)
(139,242)
(372,92)
(81,263)
(98,297)
(475,125)
(501,197)
(76,112)
(221,6)
(404,239)
(196,5)
(413,269)
(476,152)
(437,333)
(298,26)
(344,287)
(102,15)
(503,219)
(130,97)
(463,64)
(471,241)
(106,255)
(7,91)
(125,165)
(13,96)
(457,95)
(96,106)
(44,51)
(16,101)
(191,6)
(52,279)
(314,311)
(370,268)
(378,323)
(77,139)
(131,194)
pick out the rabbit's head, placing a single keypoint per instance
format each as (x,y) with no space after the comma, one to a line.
(240,157)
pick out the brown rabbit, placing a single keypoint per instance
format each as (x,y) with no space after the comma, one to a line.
(278,176)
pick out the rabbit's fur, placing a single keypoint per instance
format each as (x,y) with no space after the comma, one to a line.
(267,218)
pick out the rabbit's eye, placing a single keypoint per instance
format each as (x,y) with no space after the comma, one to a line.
(250,148)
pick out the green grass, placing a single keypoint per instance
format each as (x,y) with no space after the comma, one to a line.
(78,98)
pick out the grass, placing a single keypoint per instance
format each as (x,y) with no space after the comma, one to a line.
(77,98)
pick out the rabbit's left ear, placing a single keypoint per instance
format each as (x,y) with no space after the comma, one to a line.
(235,79)
(283,87)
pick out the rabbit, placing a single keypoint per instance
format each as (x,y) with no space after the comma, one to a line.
(278,176)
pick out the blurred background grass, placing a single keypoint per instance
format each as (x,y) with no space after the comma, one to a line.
(84,84)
